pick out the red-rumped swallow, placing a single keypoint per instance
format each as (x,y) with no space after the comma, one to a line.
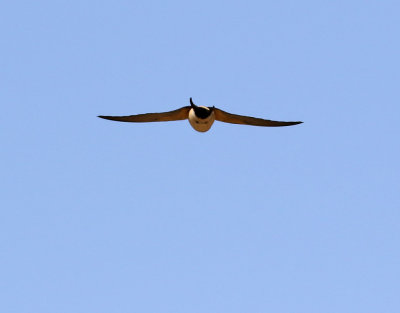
(200,117)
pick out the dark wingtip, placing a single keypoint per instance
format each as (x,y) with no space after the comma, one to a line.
(105,117)
(292,123)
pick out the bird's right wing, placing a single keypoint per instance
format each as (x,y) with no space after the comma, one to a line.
(176,115)
(248,120)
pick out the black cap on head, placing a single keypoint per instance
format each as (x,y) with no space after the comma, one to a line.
(201,112)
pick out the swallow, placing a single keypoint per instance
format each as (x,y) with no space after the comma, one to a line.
(201,118)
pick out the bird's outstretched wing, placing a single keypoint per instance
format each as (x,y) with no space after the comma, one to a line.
(176,115)
(248,120)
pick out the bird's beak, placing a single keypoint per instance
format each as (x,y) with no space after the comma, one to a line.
(192,104)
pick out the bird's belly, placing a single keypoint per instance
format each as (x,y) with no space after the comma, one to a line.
(201,124)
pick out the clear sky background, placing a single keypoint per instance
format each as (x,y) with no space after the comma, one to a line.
(100,216)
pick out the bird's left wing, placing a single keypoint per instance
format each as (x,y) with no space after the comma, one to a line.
(248,120)
(176,115)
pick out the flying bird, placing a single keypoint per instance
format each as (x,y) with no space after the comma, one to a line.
(200,118)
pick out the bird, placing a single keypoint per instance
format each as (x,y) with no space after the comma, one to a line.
(201,118)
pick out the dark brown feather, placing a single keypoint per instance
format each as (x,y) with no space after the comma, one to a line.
(176,115)
(248,120)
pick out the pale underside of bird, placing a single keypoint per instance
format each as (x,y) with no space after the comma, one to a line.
(201,118)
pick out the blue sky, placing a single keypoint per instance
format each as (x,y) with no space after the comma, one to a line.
(100,216)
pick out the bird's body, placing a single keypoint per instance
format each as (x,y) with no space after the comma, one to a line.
(201,123)
(201,118)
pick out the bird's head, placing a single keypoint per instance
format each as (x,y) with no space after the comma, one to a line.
(201,111)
